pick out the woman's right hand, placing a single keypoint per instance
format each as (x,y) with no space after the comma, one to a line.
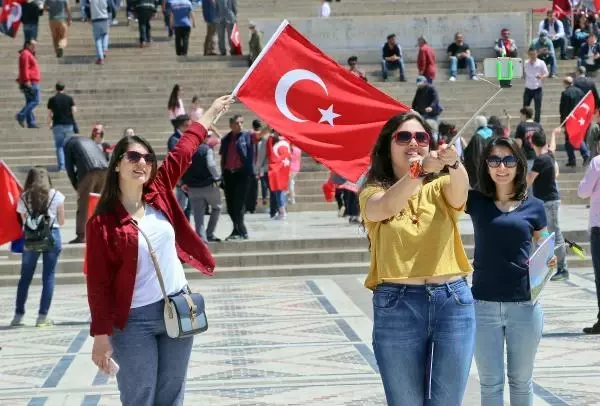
(432,163)
(220,105)
(102,352)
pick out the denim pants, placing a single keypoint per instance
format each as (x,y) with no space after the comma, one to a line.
(550,60)
(552,208)
(30,31)
(595,248)
(100,32)
(278,200)
(264,187)
(153,366)
(31,103)
(410,323)
(520,324)
(470,62)
(60,133)
(144,16)
(388,66)
(583,150)
(537,96)
(28,265)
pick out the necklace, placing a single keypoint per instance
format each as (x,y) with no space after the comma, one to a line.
(507,206)
(414,213)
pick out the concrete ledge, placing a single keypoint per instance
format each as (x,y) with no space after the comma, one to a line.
(365,36)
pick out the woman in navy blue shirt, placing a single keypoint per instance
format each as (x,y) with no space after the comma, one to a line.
(507,223)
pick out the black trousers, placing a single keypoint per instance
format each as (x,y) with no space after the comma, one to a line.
(144,16)
(351,203)
(252,196)
(536,95)
(182,39)
(595,248)
(236,185)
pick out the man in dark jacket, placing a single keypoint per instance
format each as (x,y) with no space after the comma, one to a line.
(426,101)
(145,11)
(200,182)
(589,54)
(86,167)
(586,85)
(237,159)
(569,99)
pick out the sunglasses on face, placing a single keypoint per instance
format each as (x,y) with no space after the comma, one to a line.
(509,161)
(135,157)
(405,137)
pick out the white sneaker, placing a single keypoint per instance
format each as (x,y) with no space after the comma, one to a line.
(474,77)
(452,79)
(115,22)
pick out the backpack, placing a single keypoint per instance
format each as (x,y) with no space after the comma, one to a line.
(37,230)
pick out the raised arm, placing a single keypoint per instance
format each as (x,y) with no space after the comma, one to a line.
(179,160)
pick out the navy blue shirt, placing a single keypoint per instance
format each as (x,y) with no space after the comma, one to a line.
(503,245)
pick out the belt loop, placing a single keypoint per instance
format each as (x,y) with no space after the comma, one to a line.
(449,288)
(428,291)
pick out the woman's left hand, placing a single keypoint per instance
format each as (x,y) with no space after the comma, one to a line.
(552,262)
(447,154)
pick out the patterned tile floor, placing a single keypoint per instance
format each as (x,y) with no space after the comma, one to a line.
(283,341)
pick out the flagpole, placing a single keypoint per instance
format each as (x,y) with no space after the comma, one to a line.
(264,51)
(578,104)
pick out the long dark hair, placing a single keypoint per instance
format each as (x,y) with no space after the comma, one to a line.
(381,172)
(486,185)
(36,191)
(112,190)
(174,98)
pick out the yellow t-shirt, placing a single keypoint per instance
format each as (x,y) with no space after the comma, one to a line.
(403,249)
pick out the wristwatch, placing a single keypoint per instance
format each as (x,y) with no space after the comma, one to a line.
(456,164)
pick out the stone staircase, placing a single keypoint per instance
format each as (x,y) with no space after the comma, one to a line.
(132,88)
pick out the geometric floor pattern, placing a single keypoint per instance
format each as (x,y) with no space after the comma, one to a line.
(277,341)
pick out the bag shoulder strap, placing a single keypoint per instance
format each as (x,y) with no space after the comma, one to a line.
(161,282)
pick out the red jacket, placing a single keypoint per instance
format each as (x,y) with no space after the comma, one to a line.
(426,61)
(29,71)
(112,241)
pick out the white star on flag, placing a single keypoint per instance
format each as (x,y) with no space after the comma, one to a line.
(328,115)
(286,162)
(581,121)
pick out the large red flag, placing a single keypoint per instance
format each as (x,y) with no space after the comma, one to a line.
(579,120)
(597,5)
(10,193)
(236,43)
(562,8)
(318,105)
(10,17)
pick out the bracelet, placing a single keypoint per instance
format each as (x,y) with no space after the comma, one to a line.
(455,165)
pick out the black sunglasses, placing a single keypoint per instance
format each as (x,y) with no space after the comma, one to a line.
(509,161)
(405,137)
(135,157)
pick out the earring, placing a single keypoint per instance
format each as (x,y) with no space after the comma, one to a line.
(116,169)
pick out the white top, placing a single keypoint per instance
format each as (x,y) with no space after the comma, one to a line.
(551,33)
(162,238)
(325,10)
(531,71)
(58,200)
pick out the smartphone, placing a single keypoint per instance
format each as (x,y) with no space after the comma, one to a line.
(113,368)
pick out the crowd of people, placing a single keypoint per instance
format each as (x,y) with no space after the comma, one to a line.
(425,313)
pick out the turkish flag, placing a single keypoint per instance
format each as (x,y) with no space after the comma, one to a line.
(10,193)
(597,5)
(279,155)
(92,203)
(236,43)
(318,105)
(579,120)
(10,17)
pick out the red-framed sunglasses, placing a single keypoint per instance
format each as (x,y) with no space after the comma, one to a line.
(405,137)
(135,157)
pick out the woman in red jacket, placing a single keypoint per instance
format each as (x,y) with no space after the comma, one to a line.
(426,60)
(123,291)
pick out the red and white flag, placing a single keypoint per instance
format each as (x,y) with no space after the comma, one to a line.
(279,156)
(10,17)
(235,41)
(10,193)
(580,119)
(315,103)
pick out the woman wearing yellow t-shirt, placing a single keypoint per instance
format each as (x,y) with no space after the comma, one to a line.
(424,322)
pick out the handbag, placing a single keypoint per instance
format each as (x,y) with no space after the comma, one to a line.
(184,311)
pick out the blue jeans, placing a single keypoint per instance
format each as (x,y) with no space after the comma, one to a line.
(100,31)
(583,150)
(469,61)
(28,265)
(387,66)
(520,324)
(60,133)
(410,322)
(31,102)
(30,31)
(278,200)
(153,366)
